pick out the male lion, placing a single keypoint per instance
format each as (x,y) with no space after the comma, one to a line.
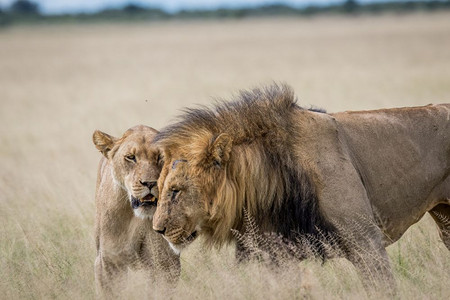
(125,201)
(357,179)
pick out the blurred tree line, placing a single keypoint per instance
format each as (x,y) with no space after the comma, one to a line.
(26,11)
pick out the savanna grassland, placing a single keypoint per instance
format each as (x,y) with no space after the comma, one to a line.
(60,83)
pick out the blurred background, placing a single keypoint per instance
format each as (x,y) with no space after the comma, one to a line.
(70,67)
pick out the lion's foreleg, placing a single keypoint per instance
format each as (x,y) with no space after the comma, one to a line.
(374,270)
(162,265)
(110,278)
(367,253)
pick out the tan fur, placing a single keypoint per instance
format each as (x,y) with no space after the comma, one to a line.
(123,235)
(361,177)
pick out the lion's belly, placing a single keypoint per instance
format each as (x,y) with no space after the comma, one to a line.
(394,223)
(398,207)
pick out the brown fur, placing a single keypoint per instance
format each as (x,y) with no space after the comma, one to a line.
(364,177)
(123,235)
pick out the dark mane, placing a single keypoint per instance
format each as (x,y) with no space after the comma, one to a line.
(262,119)
(252,114)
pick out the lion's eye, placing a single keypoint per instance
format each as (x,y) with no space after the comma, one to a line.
(160,160)
(175,192)
(130,157)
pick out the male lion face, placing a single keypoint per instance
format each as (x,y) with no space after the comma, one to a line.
(135,166)
(188,192)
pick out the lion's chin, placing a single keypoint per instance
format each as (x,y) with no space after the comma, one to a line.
(144,212)
(144,208)
(178,247)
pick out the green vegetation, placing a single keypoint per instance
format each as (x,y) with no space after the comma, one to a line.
(24,11)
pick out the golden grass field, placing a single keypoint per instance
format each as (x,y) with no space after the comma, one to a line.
(60,83)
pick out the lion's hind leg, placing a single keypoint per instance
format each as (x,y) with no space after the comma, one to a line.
(441,215)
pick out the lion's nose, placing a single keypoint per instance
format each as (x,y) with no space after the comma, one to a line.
(149,184)
(161,231)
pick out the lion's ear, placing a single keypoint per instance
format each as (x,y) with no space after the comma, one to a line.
(220,149)
(103,142)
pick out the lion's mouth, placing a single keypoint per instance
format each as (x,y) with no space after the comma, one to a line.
(148,200)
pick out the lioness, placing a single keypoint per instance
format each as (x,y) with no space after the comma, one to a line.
(358,179)
(126,199)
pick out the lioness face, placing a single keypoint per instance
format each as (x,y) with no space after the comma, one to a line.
(188,188)
(135,166)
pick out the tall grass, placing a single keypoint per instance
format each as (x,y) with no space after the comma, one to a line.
(59,84)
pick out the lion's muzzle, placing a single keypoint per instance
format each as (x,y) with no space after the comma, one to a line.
(150,199)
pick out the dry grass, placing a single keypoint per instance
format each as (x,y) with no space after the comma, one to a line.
(58,84)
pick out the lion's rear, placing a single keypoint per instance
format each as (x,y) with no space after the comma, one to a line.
(401,155)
